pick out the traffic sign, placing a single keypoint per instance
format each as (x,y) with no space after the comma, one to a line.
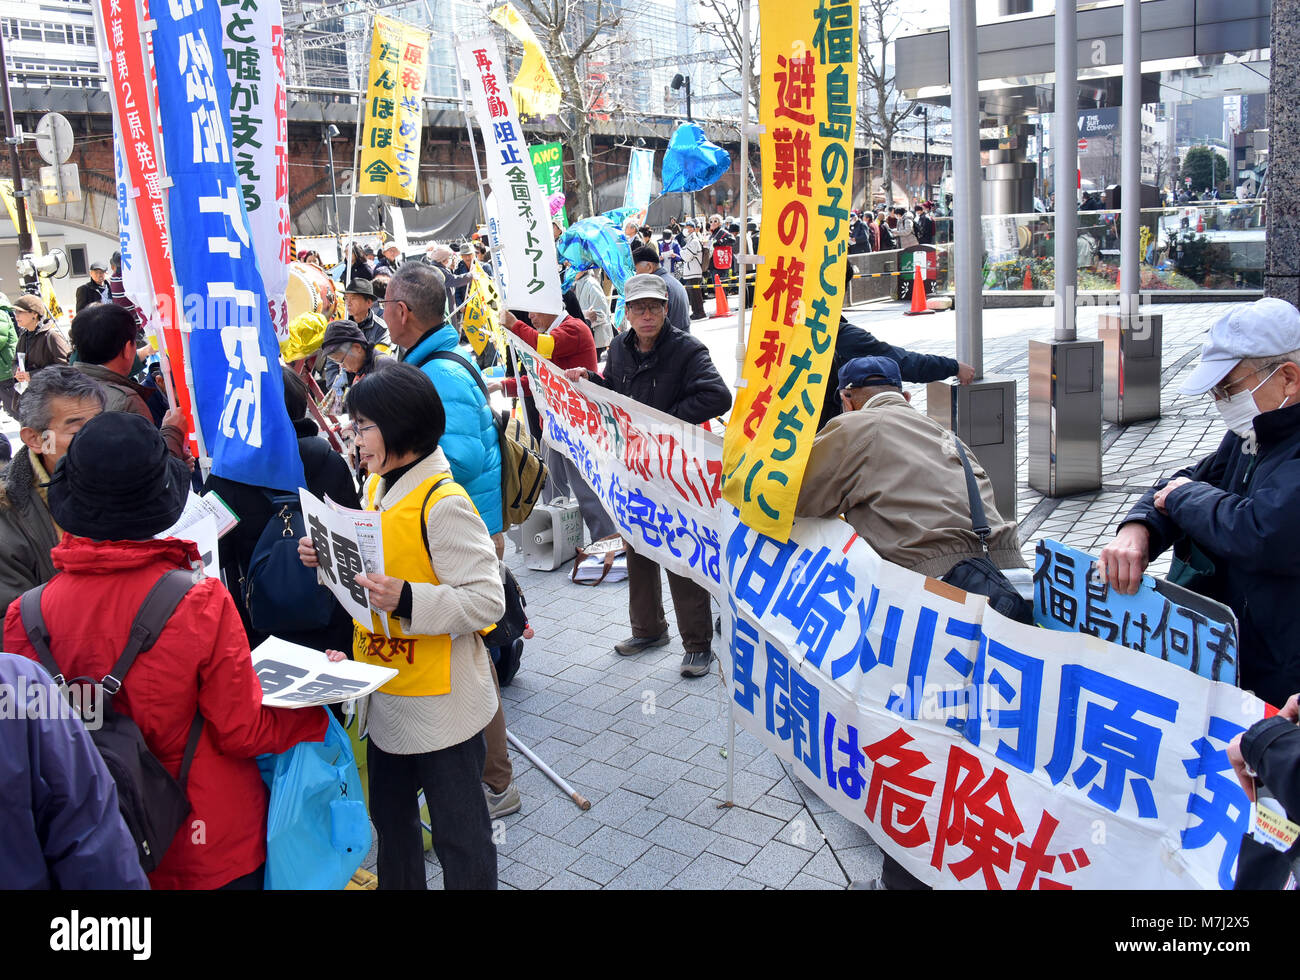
(1083,145)
(54,138)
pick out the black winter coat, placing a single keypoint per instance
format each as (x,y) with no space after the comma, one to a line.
(327,475)
(1243,512)
(677,376)
(855,342)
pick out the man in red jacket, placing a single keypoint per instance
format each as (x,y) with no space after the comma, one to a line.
(566,342)
(116,488)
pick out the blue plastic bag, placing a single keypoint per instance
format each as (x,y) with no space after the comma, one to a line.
(317,827)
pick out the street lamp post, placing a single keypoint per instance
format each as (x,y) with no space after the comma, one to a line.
(20,194)
(332,131)
(681,80)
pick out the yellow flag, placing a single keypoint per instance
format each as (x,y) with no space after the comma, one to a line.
(390,151)
(46,287)
(482,307)
(808,96)
(536,89)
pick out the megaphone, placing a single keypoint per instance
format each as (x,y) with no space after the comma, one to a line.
(52,265)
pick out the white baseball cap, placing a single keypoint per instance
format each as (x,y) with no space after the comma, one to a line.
(1265,328)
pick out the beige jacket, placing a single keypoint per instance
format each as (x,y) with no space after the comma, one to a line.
(896,477)
(468,596)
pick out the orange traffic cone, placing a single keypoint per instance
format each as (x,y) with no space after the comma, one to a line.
(720,299)
(1200,222)
(918,293)
(1029,280)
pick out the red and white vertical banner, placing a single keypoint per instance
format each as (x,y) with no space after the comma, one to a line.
(147,274)
(252,38)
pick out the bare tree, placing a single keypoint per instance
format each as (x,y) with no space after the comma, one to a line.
(881,112)
(721,21)
(572,33)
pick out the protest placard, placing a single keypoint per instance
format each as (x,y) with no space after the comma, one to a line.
(1162,619)
(657,476)
(347,543)
(978,752)
(809,93)
(294,676)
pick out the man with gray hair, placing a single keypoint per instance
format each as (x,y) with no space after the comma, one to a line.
(59,400)
(1233,519)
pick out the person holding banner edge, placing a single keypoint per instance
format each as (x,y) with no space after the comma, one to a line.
(668,369)
(439,589)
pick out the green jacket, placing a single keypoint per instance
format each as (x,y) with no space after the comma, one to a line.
(8,344)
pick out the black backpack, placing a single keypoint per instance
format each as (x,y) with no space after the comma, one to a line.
(281,594)
(153,804)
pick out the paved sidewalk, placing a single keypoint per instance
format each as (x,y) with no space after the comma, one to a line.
(644,745)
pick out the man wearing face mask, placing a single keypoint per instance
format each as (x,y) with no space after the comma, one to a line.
(1233,519)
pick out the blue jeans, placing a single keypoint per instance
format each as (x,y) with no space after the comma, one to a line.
(458,816)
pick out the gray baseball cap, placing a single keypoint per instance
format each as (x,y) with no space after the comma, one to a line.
(644,286)
(1265,328)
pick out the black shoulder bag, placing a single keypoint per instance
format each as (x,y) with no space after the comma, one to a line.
(979,574)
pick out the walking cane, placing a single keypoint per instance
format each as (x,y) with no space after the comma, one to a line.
(578,798)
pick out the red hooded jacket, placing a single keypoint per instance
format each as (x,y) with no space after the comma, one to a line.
(201,661)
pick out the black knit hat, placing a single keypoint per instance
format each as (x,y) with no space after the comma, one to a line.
(117,481)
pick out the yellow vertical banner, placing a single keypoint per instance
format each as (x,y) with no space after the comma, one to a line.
(390,149)
(482,307)
(46,287)
(535,88)
(809,90)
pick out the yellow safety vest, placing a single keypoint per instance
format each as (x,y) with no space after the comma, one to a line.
(423,663)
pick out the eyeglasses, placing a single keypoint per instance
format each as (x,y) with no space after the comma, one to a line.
(1225,391)
(641,309)
(356,430)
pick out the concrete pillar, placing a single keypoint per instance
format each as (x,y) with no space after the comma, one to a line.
(1282,256)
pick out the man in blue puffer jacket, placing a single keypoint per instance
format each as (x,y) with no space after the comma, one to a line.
(415,309)
(418,324)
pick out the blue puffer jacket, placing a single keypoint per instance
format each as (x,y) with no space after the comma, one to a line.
(470,441)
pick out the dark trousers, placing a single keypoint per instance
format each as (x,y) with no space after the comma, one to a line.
(695,293)
(896,878)
(9,398)
(458,816)
(646,608)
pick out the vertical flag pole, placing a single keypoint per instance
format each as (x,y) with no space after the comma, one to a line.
(176,313)
(356,167)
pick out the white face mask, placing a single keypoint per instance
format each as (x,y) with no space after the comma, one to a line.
(1240,410)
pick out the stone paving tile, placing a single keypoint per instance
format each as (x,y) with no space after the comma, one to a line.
(568,881)
(685,838)
(640,877)
(544,853)
(707,871)
(596,869)
(732,849)
(644,786)
(615,845)
(807,882)
(523,877)
(681,798)
(665,859)
(824,866)
(753,828)
(776,864)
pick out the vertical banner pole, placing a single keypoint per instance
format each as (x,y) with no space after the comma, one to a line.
(356,163)
(743,169)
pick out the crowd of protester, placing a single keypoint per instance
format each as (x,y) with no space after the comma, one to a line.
(105,466)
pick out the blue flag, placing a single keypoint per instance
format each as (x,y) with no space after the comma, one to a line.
(234,356)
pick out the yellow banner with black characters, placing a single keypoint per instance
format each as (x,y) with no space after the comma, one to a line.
(535,88)
(390,149)
(482,307)
(808,98)
(47,288)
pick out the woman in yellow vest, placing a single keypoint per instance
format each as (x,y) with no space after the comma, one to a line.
(439,588)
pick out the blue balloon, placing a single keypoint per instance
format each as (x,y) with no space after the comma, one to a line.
(595,243)
(691,162)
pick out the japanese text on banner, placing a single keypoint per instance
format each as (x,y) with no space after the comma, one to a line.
(148,278)
(390,148)
(657,476)
(808,99)
(531,273)
(253,43)
(548,166)
(234,355)
(536,89)
(978,752)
